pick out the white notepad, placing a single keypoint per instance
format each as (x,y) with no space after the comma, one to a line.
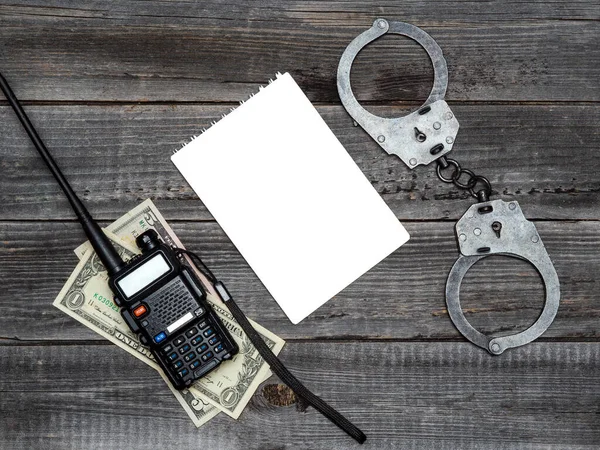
(290,198)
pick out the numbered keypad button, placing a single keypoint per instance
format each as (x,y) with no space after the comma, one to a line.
(178,364)
(202,348)
(208,332)
(186,348)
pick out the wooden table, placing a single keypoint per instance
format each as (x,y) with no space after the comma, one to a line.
(115,86)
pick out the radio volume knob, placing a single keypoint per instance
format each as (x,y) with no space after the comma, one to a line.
(147,241)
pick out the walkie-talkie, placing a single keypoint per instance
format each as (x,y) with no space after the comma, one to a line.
(165,304)
(161,299)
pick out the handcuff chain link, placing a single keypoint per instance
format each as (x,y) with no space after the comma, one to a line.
(482,195)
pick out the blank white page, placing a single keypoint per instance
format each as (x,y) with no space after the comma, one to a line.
(290,198)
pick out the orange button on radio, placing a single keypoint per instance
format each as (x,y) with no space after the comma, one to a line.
(140,311)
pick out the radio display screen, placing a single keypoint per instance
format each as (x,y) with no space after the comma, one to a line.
(144,275)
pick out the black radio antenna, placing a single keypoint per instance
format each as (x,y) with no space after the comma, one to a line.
(102,245)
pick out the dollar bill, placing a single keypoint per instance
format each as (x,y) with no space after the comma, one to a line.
(87,298)
(231,386)
(196,407)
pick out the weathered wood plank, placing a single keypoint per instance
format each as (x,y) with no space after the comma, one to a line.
(222,51)
(403,395)
(70,389)
(151,12)
(401,298)
(115,156)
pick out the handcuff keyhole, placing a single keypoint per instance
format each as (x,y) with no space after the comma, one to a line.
(421,137)
(497,228)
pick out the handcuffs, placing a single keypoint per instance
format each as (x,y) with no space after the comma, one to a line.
(488,227)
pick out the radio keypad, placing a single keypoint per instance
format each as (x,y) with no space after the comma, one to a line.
(195,349)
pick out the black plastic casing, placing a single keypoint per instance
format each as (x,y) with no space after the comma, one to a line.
(172,297)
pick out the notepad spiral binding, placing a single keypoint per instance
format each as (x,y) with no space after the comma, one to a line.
(214,122)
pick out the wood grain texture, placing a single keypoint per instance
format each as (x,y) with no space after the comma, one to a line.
(117,156)
(222,51)
(403,395)
(115,86)
(401,298)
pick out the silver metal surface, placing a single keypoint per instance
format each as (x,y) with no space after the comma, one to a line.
(411,137)
(500,228)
